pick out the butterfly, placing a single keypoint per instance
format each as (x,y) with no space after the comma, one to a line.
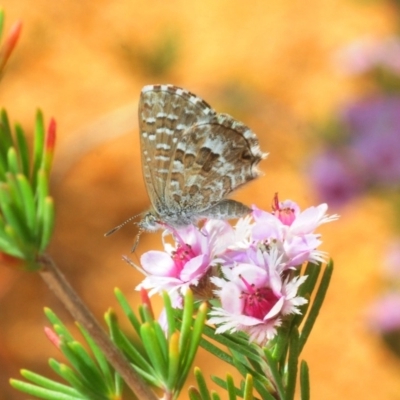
(192,159)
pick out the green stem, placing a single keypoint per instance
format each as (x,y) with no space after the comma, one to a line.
(66,294)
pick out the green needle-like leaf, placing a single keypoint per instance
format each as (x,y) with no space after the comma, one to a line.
(14,197)
(173,362)
(7,246)
(7,243)
(201,384)
(304,381)
(43,393)
(312,272)
(248,388)
(190,353)
(38,147)
(17,244)
(47,223)
(20,232)
(55,321)
(154,351)
(26,210)
(162,341)
(12,161)
(127,310)
(1,22)
(5,196)
(261,382)
(48,383)
(316,306)
(85,365)
(241,346)
(147,313)
(42,191)
(292,365)
(230,386)
(275,374)
(187,318)
(76,382)
(232,390)
(6,140)
(22,150)
(169,313)
(216,351)
(215,396)
(99,356)
(139,361)
(28,201)
(279,351)
(194,394)
(119,386)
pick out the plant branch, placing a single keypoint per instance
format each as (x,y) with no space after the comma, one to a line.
(66,294)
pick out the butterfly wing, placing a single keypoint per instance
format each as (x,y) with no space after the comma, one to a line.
(165,112)
(213,158)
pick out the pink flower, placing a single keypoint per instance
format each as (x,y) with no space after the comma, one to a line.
(189,261)
(247,270)
(291,231)
(255,298)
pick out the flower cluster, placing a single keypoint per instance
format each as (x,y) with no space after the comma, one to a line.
(368,155)
(250,269)
(362,146)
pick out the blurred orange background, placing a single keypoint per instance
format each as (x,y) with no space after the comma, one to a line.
(267,63)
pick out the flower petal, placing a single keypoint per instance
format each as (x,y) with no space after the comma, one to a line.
(158,263)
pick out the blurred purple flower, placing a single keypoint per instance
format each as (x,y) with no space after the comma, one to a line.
(384,314)
(374,126)
(337,177)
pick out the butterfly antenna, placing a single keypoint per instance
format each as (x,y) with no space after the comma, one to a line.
(137,240)
(113,230)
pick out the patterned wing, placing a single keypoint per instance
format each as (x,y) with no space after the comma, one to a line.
(212,159)
(165,112)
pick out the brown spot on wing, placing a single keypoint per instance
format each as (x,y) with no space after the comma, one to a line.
(188,160)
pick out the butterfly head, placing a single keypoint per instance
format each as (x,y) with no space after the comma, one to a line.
(150,222)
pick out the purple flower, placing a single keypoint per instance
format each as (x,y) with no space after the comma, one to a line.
(374,125)
(384,314)
(337,177)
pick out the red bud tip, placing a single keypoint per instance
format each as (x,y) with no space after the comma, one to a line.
(10,42)
(51,135)
(146,300)
(52,336)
